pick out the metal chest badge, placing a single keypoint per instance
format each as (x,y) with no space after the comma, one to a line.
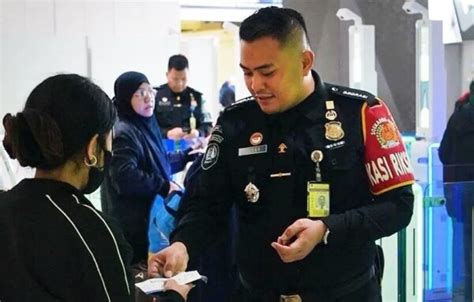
(331,115)
(334,131)
(252,192)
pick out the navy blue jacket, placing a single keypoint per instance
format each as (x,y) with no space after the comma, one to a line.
(140,169)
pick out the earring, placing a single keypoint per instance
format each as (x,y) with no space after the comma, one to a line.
(92,163)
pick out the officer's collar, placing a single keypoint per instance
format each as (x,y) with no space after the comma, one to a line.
(315,100)
(310,108)
(182,93)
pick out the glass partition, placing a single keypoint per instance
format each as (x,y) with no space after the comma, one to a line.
(448,199)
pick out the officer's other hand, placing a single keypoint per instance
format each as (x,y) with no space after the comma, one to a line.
(191,135)
(176,133)
(183,290)
(169,261)
(299,239)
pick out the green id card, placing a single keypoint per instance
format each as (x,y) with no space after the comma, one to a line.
(317,201)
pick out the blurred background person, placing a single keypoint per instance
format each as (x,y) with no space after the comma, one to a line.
(180,109)
(456,152)
(227,94)
(55,245)
(141,168)
(463,99)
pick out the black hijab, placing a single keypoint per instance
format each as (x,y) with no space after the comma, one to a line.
(125,86)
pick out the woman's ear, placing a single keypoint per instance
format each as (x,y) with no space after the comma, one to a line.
(91,150)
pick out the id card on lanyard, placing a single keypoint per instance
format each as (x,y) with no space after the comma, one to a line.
(317,198)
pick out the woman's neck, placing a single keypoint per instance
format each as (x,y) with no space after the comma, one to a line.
(67,173)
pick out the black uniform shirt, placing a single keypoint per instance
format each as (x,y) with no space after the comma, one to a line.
(283,143)
(175,109)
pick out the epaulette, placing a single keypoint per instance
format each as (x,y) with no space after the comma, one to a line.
(240,103)
(192,90)
(352,93)
(157,88)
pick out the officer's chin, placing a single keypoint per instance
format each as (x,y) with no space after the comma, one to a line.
(268,109)
(267,106)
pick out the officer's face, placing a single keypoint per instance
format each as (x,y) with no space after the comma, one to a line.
(273,74)
(143,100)
(177,79)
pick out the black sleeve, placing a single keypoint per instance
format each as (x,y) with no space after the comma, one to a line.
(126,174)
(387,214)
(207,209)
(203,119)
(126,251)
(170,296)
(447,142)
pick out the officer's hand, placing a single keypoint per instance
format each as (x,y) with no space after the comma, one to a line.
(176,133)
(299,239)
(192,135)
(169,261)
(183,290)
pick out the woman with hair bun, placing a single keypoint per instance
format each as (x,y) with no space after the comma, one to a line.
(55,246)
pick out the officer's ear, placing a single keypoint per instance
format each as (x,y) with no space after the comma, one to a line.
(307,61)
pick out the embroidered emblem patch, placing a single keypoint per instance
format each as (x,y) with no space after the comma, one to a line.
(385,132)
(210,157)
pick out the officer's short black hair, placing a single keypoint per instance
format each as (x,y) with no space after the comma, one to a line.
(178,62)
(281,24)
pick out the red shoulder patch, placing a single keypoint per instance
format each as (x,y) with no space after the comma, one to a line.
(386,160)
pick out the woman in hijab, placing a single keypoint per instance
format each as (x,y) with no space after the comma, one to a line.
(55,246)
(141,168)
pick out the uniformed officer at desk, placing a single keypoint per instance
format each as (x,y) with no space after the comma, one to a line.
(319,172)
(179,108)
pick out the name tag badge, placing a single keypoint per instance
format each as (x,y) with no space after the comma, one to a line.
(317,200)
(252,150)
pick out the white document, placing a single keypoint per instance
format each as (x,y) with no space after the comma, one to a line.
(158,284)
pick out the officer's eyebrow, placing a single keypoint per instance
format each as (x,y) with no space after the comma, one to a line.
(264,66)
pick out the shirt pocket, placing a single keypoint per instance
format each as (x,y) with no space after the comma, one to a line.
(343,158)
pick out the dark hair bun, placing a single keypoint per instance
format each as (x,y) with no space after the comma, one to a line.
(34,139)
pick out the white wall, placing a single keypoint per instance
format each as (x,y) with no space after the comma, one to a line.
(467,64)
(201,52)
(100,39)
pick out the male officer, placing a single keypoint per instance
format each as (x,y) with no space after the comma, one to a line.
(179,109)
(318,173)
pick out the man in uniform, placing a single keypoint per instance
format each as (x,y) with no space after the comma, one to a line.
(179,108)
(318,173)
